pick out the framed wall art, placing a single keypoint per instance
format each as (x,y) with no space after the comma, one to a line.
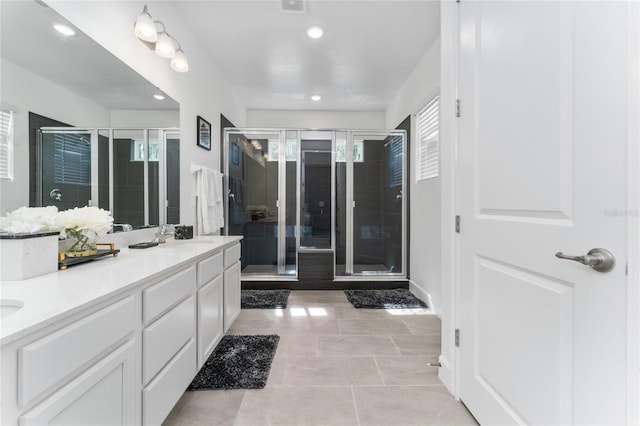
(204,134)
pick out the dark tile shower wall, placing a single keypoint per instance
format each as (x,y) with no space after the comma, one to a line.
(368,196)
(173,180)
(128,184)
(391,220)
(103,172)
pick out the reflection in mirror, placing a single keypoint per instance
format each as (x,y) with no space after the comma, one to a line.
(52,80)
(134,173)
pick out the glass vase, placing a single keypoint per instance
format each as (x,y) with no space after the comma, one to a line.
(80,242)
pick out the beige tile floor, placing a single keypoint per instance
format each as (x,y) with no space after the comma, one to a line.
(335,365)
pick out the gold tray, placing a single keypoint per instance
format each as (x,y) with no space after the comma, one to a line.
(64,261)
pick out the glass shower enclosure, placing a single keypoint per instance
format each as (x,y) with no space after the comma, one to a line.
(298,191)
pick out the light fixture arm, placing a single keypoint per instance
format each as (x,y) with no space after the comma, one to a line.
(164,28)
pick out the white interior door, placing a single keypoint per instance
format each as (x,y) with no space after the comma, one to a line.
(544,90)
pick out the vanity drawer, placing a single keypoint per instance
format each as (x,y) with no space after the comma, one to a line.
(231,255)
(164,338)
(209,268)
(160,297)
(45,362)
(164,391)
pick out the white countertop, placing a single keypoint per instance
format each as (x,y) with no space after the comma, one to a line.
(51,297)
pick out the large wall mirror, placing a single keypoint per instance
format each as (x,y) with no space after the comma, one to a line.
(88,129)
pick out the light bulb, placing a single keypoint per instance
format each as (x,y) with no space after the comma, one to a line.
(144,27)
(316,98)
(164,46)
(179,62)
(315,32)
(65,30)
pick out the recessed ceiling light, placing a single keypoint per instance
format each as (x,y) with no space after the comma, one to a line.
(316,98)
(65,30)
(159,97)
(315,32)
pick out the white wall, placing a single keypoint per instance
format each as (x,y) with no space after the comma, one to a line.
(124,118)
(420,87)
(316,119)
(28,92)
(202,91)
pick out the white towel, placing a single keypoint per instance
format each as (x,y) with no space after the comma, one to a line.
(210,207)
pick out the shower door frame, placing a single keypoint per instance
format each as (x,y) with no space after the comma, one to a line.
(281,243)
(350,204)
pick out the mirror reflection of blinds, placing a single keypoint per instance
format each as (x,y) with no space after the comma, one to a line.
(6,144)
(72,160)
(427,120)
(395,161)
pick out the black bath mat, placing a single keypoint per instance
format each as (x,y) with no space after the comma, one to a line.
(399,298)
(238,362)
(264,299)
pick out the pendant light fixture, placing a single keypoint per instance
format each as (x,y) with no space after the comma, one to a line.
(179,62)
(164,46)
(146,29)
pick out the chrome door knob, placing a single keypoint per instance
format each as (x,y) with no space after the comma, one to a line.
(598,259)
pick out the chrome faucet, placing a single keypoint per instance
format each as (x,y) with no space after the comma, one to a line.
(163,232)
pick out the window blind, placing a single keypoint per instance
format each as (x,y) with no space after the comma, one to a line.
(427,120)
(395,161)
(6,143)
(72,154)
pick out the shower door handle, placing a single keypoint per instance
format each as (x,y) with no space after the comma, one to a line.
(55,195)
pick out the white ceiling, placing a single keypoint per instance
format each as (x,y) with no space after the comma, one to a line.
(368,50)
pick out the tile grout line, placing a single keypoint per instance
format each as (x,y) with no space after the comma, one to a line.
(355,405)
(375,361)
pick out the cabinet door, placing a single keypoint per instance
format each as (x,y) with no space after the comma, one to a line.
(231,295)
(103,394)
(210,318)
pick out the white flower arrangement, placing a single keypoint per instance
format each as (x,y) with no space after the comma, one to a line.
(29,220)
(88,220)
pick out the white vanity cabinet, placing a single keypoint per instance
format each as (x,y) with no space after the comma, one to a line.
(168,343)
(81,373)
(232,285)
(116,343)
(210,305)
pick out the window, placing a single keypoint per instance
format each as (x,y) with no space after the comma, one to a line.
(137,150)
(427,119)
(72,154)
(6,143)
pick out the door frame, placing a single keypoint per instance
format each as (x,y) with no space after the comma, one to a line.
(449,373)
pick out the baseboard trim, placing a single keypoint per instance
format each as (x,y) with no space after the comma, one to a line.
(445,374)
(323,285)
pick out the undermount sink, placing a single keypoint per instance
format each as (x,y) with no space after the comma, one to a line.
(9,307)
